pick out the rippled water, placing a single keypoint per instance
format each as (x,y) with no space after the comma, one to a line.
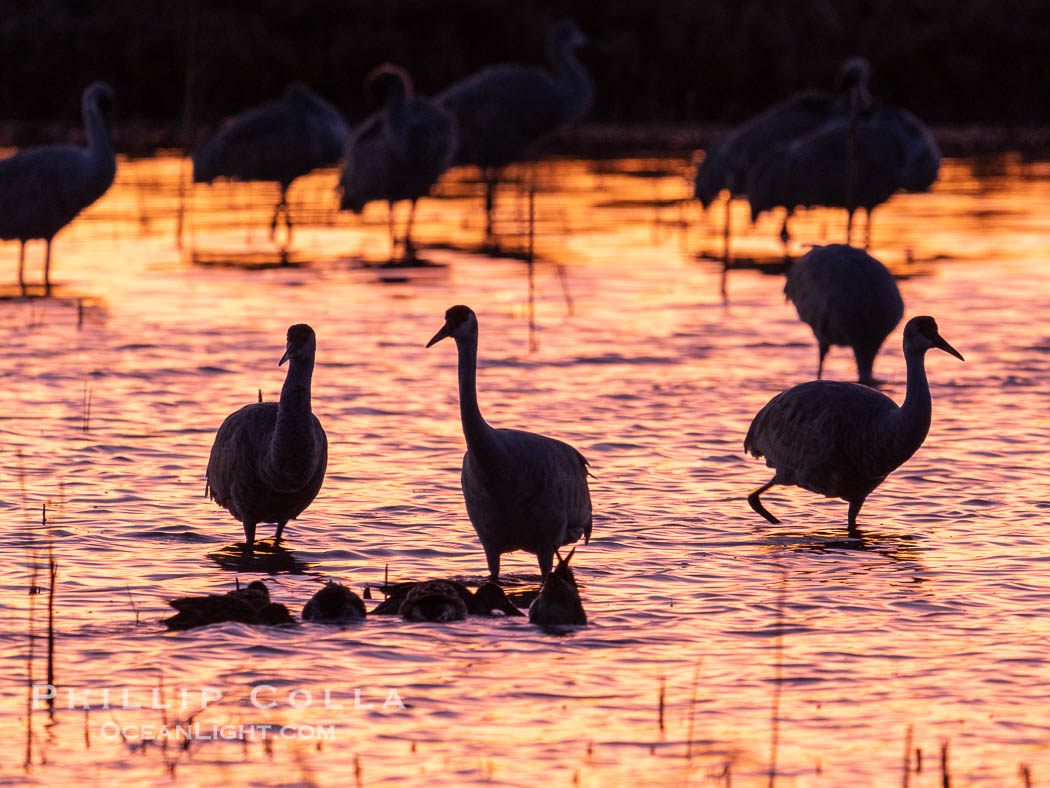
(936,621)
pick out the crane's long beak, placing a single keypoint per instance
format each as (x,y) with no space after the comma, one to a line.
(444,332)
(285,357)
(939,342)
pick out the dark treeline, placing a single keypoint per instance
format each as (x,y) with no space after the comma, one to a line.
(657,62)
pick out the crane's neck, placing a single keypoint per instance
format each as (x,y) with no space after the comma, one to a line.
(397,105)
(100,149)
(293,436)
(480,436)
(914,415)
(574,81)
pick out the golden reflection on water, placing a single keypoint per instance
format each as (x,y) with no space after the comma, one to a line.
(936,619)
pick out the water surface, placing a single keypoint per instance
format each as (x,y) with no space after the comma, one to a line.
(936,621)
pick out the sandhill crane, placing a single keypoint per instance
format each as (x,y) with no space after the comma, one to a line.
(726,164)
(523,491)
(559,602)
(43,188)
(848,298)
(504,110)
(398,153)
(277,141)
(268,460)
(842,166)
(842,439)
(334,603)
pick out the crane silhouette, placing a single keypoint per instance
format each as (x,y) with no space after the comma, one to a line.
(504,110)
(523,491)
(848,162)
(277,141)
(43,188)
(848,298)
(843,439)
(268,459)
(398,153)
(725,166)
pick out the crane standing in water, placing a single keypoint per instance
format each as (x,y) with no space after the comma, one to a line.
(523,491)
(848,162)
(842,439)
(269,458)
(278,141)
(848,298)
(726,164)
(42,189)
(398,153)
(504,110)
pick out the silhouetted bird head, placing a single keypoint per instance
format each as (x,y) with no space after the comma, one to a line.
(302,343)
(852,80)
(388,81)
(921,334)
(460,323)
(99,94)
(853,71)
(566,34)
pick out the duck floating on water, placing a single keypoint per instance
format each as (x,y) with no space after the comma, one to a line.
(334,603)
(429,600)
(250,605)
(559,602)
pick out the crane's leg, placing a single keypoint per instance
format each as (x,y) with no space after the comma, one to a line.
(824,347)
(273,221)
(249,535)
(287,219)
(865,362)
(47,268)
(280,530)
(408,253)
(867,230)
(491,180)
(849,226)
(545,557)
(757,504)
(725,232)
(492,558)
(22,266)
(391,228)
(785,234)
(851,517)
(282,205)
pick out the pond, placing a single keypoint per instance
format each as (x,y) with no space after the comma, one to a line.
(720,647)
